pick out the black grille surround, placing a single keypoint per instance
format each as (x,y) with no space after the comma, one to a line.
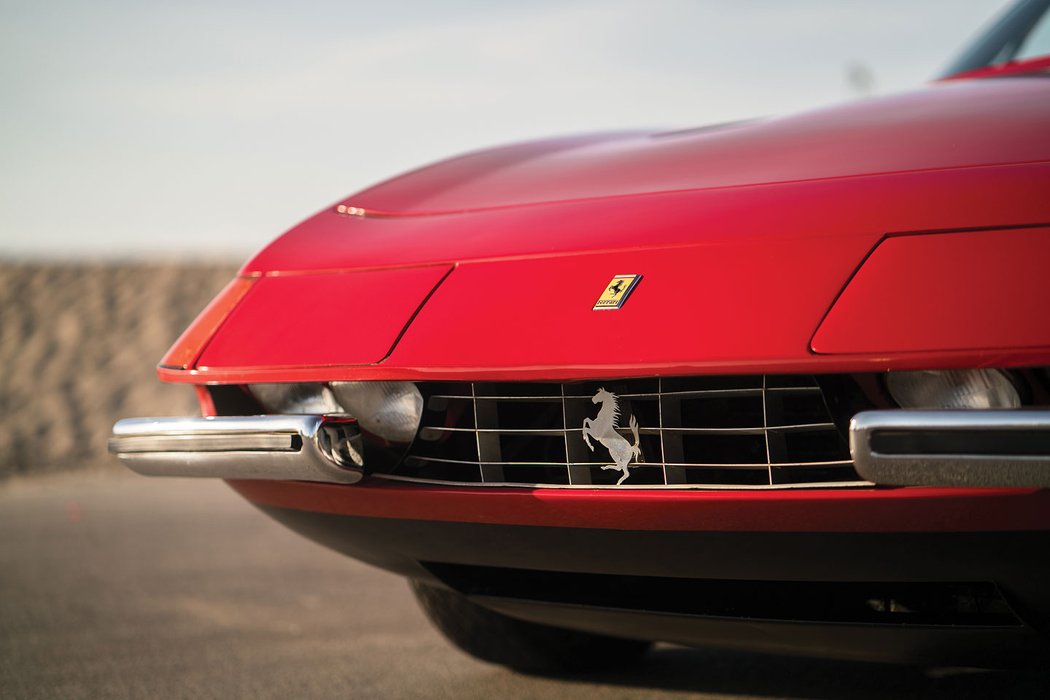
(756,432)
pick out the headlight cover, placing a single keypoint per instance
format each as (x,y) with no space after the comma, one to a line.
(966,388)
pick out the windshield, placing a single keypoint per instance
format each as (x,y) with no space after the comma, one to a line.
(1021,34)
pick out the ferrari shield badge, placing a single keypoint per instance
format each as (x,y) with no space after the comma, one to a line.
(603,429)
(616,292)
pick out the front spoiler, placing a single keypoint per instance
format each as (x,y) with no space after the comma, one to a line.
(287,447)
(587,578)
(967,448)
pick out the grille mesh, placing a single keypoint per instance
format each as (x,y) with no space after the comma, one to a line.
(755,431)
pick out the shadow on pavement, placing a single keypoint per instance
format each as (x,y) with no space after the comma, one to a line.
(731,673)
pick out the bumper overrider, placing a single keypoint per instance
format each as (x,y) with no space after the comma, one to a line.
(951,448)
(290,447)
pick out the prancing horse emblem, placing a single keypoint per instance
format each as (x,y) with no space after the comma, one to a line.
(616,292)
(603,429)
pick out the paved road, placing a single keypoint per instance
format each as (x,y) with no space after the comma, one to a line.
(118,586)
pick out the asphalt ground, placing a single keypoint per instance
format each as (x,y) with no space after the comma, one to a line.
(117,586)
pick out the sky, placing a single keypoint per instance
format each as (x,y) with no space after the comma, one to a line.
(204,129)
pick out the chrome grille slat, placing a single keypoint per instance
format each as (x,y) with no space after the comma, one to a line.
(713,465)
(747,430)
(655,487)
(693,431)
(660,426)
(477,435)
(765,428)
(649,395)
(509,431)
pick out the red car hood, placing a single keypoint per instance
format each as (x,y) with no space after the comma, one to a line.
(943,128)
(744,236)
(946,125)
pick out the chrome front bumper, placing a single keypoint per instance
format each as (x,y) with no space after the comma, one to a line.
(291,447)
(968,448)
(965,448)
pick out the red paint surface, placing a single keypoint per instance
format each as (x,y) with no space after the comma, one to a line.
(318,320)
(1039,64)
(730,302)
(862,510)
(831,364)
(745,236)
(207,403)
(187,347)
(871,206)
(763,259)
(960,291)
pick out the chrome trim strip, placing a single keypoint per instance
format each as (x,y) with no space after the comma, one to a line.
(558,432)
(205,443)
(765,429)
(637,487)
(289,447)
(1012,468)
(751,391)
(686,465)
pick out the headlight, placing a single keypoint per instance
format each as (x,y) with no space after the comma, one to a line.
(967,388)
(388,410)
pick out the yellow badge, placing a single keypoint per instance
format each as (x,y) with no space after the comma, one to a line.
(615,293)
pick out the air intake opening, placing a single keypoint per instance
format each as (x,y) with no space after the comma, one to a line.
(978,604)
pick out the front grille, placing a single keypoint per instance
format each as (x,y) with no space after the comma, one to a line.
(753,432)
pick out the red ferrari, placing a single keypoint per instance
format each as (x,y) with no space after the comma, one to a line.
(778,385)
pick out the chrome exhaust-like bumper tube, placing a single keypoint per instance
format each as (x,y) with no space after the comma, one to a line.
(965,447)
(290,447)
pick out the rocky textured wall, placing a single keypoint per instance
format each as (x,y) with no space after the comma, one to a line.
(78,348)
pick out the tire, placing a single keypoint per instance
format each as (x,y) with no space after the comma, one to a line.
(523,646)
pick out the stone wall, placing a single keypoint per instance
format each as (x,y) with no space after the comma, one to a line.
(78,348)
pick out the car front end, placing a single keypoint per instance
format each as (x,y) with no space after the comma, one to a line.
(780,385)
